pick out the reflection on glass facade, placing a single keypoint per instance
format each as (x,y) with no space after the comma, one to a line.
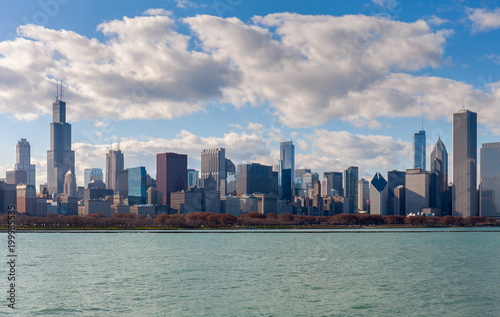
(137,194)
(490,180)
(419,150)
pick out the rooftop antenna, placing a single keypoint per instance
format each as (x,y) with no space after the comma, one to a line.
(422,123)
(61,90)
(118,146)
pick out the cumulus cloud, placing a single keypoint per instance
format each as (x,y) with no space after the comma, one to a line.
(157,12)
(144,70)
(322,150)
(242,147)
(336,150)
(184,4)
(306,69)
(434,20)
(483,19)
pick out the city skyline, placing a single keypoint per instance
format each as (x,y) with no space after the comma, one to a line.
(311,110)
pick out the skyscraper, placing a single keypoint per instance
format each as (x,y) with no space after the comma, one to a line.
(419,149)
(464,196)
(60,157)
(171,174)
(193,178)
(213,162)
(416,190)
(254,178)
(378,195)
(91,174)
(351,188)
(490,180)
(114,164)
(287,161)
(439,177)
(23,158)
(394,179)
(363,194)
(137,194)
(333,182)
(69,184)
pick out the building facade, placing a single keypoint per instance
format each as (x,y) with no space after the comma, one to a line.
(70,184)
(254,178)
(23,158)
(439,178)
(26,199)
(90,174)
(114,164)
(287,164)
(171,174)
(193,178)
(378,195)
(137,193)
(416,190)
(213,162)
(394,179)
(363,195)
(333,184)
(419,150)
(351,188)
(464,195)
(490,180)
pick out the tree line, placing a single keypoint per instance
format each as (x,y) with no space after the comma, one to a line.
(216,220)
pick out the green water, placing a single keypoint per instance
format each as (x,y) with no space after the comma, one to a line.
(279,273)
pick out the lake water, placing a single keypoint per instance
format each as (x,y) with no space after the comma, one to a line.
(424,272)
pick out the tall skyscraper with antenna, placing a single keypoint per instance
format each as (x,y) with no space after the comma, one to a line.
(60,157)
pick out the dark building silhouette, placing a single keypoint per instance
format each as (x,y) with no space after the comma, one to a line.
(254,178)
(8,196)
(60,157)
(394,179)
(123,186)
(464,195)
(171,174)
(333,181)
(439,178)
(490,180)
(351,188)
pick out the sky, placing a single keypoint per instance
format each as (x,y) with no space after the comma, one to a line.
(348,82)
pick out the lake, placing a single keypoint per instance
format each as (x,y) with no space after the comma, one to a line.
(370,272)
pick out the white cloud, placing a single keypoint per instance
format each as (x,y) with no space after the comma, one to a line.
(241,148)
(322,150)
(434,20)
(494,57)
(483,19)
(157,12)
(144,70)
(184,4)
(307,69)
(336,150)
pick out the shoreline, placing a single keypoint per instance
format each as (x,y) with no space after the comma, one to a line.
(263,230)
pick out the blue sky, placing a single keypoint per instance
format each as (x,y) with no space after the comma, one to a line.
(347,82)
